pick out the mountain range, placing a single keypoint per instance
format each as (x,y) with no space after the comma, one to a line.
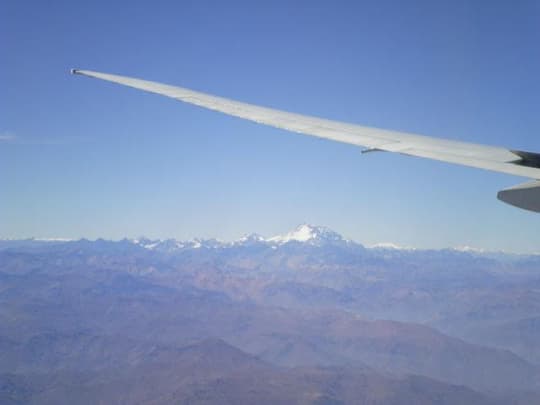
(304,233)
(304,317)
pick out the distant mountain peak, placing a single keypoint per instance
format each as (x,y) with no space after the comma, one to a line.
(390,246)
(251,238)
(469,249)
(308,233)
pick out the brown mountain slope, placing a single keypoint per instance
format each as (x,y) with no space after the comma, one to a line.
(213,372)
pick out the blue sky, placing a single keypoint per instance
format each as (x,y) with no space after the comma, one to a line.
(84,158)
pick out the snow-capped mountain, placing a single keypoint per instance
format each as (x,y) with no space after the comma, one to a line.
(249,239)
(313,235)
(171,245)
(162,244)
(305,233)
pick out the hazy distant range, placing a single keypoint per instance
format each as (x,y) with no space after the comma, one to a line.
(302,318)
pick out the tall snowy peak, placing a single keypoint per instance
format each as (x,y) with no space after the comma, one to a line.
(308,234)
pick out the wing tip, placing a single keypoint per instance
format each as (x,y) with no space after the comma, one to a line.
(74,71)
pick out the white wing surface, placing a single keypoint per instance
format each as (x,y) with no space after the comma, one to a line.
(519,163)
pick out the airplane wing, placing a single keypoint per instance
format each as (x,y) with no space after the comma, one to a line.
(519,163)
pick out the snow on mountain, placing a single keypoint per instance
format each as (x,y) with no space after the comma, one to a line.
(171,245)
(469,249)
(308,234)
(305,233)
(390,245)
(164,245)
(251,238)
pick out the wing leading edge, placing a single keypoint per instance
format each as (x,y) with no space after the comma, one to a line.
(519,163)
